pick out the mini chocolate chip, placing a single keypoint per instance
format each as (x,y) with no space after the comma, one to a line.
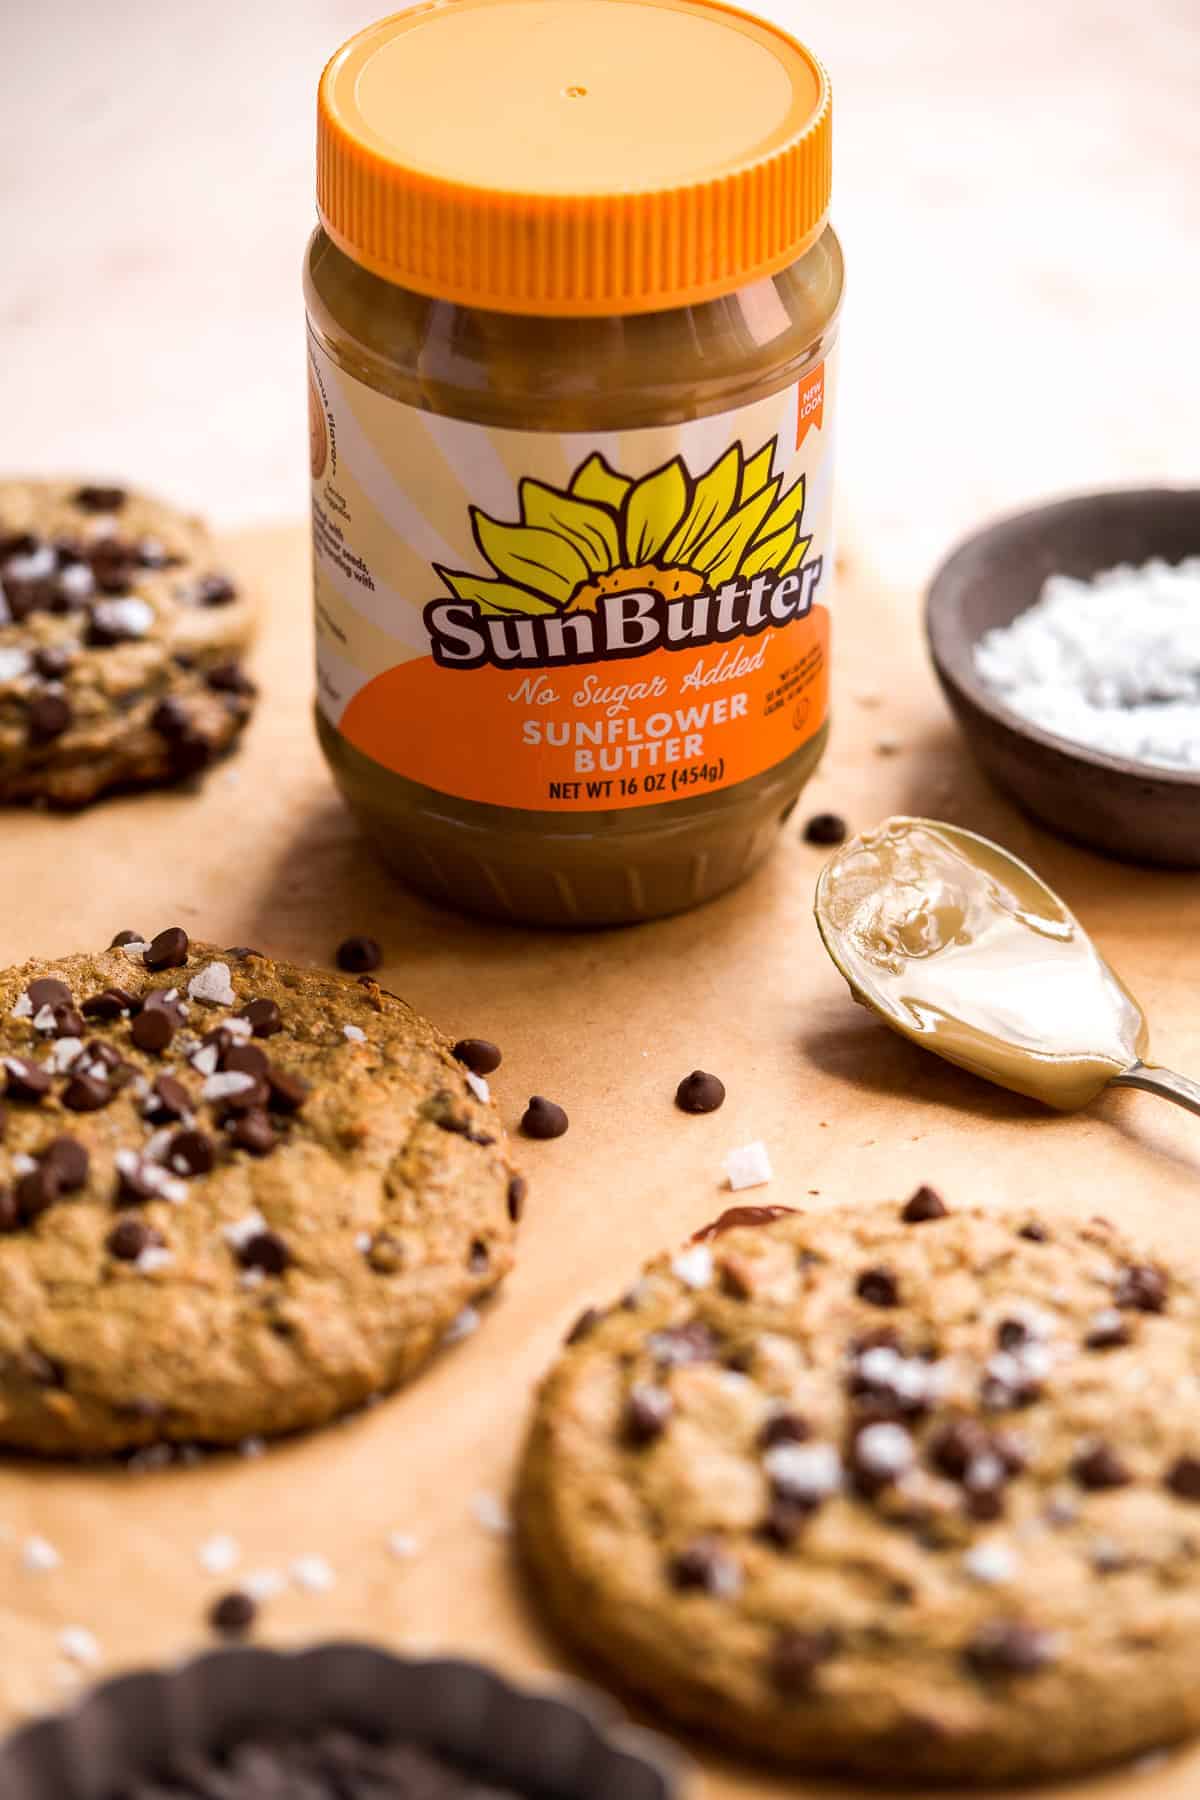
(1012,1334)
(10,1212)
(706,1565)
(480,1259)
(1035,1232)
(231,678)
(878,1287)
(785,1521)
(234,1613)
(169,950)
(266,1250)
(48,991)
(797,1655)
(126,937)
(129,1237)
(254,1132)
(17,543)
(924,1206)
(1003,1647)
(246,1059)
(263,1017)
(68,1023)
(69,1160)
(647,1413)
(153,1029)
(700,1092)
(287,1092)
(215,590)
(518,1189)
(94,499)
(190,1153)
(1108,1331)
(1142,1288)
(86,1093)
(1183,1478)
(25,1080)
(359,955)
(1100,1467)
(168,1100)
(826,829)
(785,1428)
(954,1447)
(255,1098)
(478,1055)
(111,1003)
(52,661)
(171,719)
(544,1119)
(47,716)
(36,1190)
(584,1325)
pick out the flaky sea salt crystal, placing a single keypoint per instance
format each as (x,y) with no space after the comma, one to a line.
(402,1545)
(153,1258)
(694,1266)
(479,1087)
(240,1232)
(491,1512)
(14,664)
(212,985)
(312,1573)
(225,1083)
(217,1555)
(991,1564)
(23,1008)
(804,1471)
(355,1033)
(38,1555)
(749,1166)
(461,1327)
(262,1584)
(79,1645)
(125,616)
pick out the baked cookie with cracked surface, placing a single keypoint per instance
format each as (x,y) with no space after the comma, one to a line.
(119,644)
(909,1492)
(237,1197)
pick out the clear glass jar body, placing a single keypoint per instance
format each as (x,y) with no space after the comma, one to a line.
(590,376)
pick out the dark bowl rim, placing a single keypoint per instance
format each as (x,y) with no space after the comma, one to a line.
(964,683)
(611,1727)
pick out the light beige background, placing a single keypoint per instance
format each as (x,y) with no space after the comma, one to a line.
(1017,186)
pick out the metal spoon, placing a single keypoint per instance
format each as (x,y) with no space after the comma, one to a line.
(962,948)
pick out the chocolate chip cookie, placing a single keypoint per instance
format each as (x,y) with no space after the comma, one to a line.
(913,1492)
(119,643)
(236,1197)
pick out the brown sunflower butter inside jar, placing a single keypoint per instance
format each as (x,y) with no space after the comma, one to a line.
(571,379)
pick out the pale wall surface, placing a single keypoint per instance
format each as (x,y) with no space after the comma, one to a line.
(1016,186)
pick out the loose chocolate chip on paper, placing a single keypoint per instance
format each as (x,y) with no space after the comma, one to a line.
(700,1092)
(169,950)
(1005,1647)
(826,829)
(263,1017)
(797,1655)
(1183,1478)
(94,499)
(266,1250)
(129,1237)
(359,955)
(1100,1467)
(924,1206)
(478,1055)
(25,1080)
(47,717)
(518,1190)
(878,1287)
(233,1614)
(153,1029)
(544,1118)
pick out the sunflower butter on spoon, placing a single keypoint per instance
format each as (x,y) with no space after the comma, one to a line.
(959,946)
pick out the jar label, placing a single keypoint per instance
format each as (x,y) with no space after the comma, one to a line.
(571,621)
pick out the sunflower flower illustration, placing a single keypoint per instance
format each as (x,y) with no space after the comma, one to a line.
(670,532)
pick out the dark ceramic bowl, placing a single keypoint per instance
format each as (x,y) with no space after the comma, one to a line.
(569,1745)
(1126,809)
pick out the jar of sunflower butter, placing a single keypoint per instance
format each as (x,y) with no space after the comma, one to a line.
(572,306)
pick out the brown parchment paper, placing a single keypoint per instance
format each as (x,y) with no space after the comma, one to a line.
(606,1024)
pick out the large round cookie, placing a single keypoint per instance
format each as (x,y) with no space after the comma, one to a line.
(291,1191)
(920,1500)
(119,639)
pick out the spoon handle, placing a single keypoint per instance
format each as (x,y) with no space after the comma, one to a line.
(1178,1088)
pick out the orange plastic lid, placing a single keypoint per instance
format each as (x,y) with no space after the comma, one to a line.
(573,156)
